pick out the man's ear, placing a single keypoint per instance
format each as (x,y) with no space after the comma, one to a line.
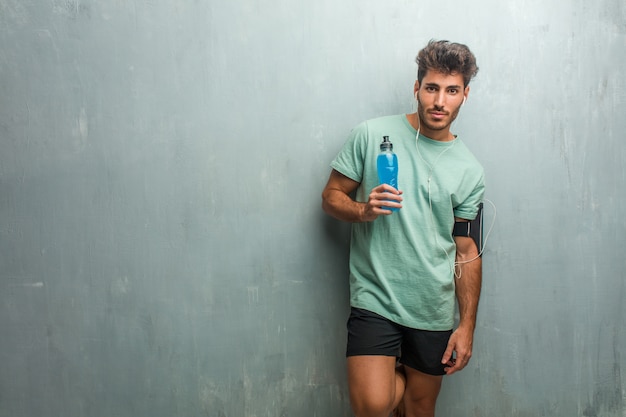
(466,93)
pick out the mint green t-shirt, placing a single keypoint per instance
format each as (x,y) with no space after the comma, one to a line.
(401,265)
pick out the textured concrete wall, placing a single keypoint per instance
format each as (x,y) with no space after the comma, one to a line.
(162,249)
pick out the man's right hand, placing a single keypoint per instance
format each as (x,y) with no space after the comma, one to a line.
(380,200)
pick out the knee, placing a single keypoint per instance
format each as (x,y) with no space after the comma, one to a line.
(372,405)
(422,407)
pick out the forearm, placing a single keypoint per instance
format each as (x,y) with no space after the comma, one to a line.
(336,200)
(339,205)
(468,286)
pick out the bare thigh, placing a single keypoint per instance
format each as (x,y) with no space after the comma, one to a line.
(421,393)
(375,388)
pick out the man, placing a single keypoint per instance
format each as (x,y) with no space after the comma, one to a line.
(403,264)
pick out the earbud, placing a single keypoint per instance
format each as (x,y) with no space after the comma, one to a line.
(416,97)
(464,98)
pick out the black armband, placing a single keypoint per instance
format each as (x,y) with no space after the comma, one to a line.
(472,228)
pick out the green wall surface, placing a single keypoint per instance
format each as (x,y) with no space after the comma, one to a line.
(163,251)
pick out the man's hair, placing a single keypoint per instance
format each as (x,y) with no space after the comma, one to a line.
(448,58)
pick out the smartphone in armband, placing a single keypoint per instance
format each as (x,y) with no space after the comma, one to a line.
(472,228)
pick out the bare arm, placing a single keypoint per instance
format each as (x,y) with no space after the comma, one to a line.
(336,200)
(468,284)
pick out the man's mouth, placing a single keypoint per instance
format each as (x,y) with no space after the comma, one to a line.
(438,114)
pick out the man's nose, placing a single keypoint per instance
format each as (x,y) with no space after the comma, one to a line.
(439,99)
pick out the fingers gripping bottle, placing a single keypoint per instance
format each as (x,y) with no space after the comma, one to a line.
(387,164)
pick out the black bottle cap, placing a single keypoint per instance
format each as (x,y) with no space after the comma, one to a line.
(386,145)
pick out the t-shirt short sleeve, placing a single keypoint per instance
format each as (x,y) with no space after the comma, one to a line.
(468,209)
(350,160)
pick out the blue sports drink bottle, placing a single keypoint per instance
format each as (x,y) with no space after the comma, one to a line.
(387,164)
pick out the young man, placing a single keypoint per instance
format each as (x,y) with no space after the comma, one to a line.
(405,266)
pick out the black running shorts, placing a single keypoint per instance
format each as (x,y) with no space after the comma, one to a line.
(372,334)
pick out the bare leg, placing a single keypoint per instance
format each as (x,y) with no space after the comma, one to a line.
(398,411)
(421,393)
(375,386)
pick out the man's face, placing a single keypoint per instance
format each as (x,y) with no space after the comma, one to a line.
(440,99)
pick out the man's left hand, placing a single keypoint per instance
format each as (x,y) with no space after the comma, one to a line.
(460,343)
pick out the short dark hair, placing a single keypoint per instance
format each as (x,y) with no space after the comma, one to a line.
(448,58)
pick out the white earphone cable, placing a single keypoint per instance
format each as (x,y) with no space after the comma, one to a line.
(453,264)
